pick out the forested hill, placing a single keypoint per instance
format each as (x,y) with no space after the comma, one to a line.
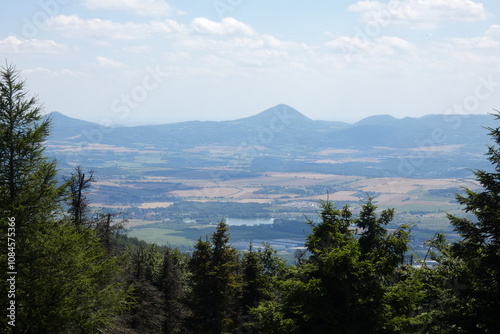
(282,126)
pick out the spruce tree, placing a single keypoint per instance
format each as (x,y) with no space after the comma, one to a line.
(262,269)
(215,284)
(254,281)
(476,270)
(172,285)
(342,286)
(199,298)
(225,278)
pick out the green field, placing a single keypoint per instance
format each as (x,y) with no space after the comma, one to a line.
(162,237)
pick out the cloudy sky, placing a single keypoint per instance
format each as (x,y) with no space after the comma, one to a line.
(154,61)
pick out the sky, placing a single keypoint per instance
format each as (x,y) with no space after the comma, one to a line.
(136,62)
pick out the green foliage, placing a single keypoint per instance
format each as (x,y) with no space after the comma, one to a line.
(272,317)
(475,259)
(383,249)
(172,283)
(26,176)
(215,284)
(147,262)
(70,284)
(346,282)
(143,274)
(254,281)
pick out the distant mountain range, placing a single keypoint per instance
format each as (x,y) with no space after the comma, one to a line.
(282,128)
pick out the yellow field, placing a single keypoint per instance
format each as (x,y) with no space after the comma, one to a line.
(442,148)
(337,151)
(405,185)
(392,192)
(152,205)
(345,160)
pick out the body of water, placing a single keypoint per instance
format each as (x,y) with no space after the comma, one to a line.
(248,222)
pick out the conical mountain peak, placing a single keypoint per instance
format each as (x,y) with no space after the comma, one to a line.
(280,112)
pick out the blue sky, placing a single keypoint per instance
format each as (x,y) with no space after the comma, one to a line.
(153,61)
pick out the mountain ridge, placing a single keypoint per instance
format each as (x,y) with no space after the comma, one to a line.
(280,127)
(271,112)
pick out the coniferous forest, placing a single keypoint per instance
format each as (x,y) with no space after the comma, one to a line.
(67,269)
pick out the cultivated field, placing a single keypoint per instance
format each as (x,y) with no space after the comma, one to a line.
(156,186)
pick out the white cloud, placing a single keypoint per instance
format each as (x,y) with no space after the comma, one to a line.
(381,45)
(227,26)
(107,63)
(13,45)
(75,26)
(140,49)
(348,45)
(139,7)
(386,55)
(489,41)
(216,44)
(177,56)
(241,42)
(276,43)
(494,32)
(480,52)
(258,57)
(258,50)
(424,14)
(59,73)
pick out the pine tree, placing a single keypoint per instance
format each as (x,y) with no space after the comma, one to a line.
(28,192)
(64,280)
(27,177)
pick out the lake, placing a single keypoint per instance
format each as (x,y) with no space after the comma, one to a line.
(248,222)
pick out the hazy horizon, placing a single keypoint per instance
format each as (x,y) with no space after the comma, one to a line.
(156,62)
(254,114)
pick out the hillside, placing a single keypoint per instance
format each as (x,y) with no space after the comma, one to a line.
(279,139)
